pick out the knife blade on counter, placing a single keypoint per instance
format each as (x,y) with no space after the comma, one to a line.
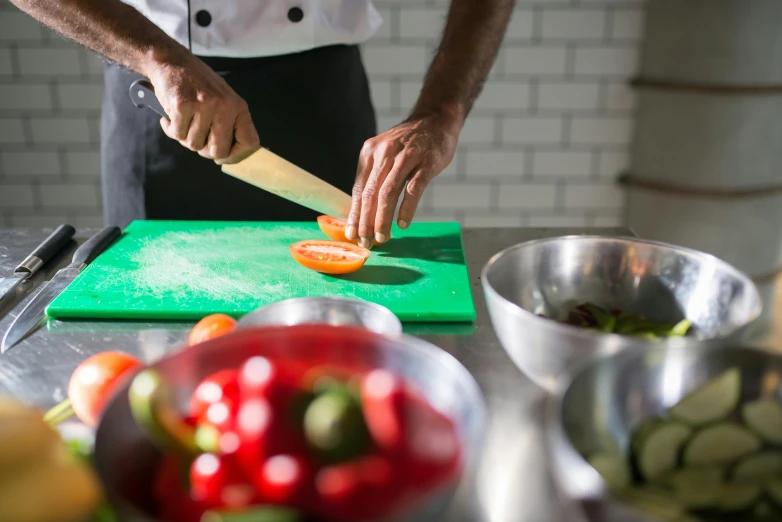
(34,314)
(266,170)
(13,286)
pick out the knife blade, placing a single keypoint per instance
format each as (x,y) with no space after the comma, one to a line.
(34,314)
(266,170)
(12,286)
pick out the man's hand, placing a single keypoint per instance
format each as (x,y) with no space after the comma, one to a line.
(406,157)
(421,147)
(206,115)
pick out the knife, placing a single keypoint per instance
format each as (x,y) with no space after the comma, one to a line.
(34,314)
(266,170)
(32,263)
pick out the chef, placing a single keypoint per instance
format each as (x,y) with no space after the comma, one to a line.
(286,74)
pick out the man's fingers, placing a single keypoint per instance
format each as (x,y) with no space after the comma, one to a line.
(389,195)
(246,140)
(365,164)
(413,193)
(181,118)
(218,145)
(366,225)
(199,131)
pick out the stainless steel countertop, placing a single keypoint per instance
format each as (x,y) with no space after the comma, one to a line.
(513,482)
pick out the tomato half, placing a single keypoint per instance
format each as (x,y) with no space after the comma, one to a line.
(335,229)
(94,380)
(210,327)
(329,257)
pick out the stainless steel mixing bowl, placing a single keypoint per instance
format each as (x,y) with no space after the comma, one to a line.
(596,407)
(662,281)
(336,311)
(126,461)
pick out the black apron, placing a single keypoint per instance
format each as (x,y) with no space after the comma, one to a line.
(312,108)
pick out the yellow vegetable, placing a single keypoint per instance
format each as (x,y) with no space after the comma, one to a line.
(40,481)
(24,436)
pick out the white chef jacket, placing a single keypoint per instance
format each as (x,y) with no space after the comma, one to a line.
(251,28)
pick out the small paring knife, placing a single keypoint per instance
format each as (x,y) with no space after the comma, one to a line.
(43,253)
(34,314)
(266,170)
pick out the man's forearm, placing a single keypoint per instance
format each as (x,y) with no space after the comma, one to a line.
(473,33)
(109,27)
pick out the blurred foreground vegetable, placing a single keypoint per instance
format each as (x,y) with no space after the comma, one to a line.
(40,480)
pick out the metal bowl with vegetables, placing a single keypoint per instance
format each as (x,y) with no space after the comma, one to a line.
(671,434)
(305,423)
(555,302)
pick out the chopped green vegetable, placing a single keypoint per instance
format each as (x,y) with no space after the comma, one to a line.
(614,469)
(591,316)
(774,491)
(659,450)
(334,426)
(764,417)
(702,464)
(697,487)
(654,502)
(737,497)
(710,402)
(758,467)
(153,411)
(720,444)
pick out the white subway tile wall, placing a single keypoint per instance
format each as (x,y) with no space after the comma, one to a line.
(542,146)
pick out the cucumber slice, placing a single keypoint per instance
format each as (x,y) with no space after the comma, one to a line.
(735,497)
(660,504)
(659,450)
(711,402)
(697,487)
(640,432)
(763,510)
(720,444)
(613,467)
(774,491)
(764,417)
(757,467)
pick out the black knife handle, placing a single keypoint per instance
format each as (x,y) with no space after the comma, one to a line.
(94,246)
(45,251)
(142,93)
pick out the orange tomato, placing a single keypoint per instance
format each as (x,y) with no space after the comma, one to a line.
(94,381)
(329,257)
(210,327)
(335,229)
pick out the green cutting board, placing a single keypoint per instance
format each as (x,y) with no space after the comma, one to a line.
(184,270)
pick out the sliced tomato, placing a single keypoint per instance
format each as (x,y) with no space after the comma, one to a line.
(329,257)
(335,229)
